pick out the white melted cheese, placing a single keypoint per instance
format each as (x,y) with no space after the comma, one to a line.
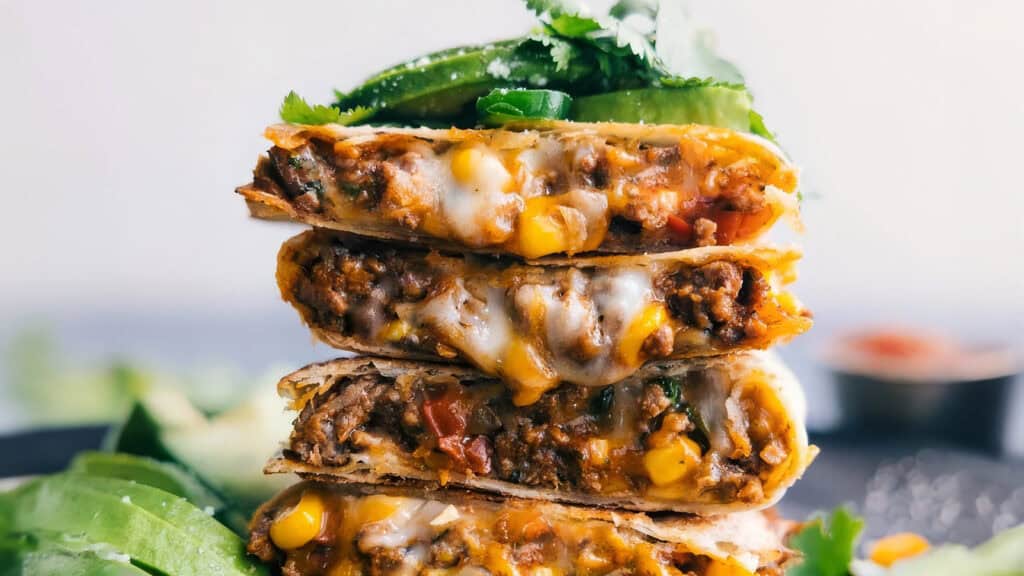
(620,296)
(479,328)
(409,523)
(479,211)
(533,165)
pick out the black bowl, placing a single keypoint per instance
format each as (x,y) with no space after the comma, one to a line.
(971,413)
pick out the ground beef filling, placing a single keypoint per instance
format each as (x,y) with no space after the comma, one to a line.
(372,179)
(358,291)
(572,438)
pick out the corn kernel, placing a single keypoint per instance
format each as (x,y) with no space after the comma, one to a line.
(891,549)
(529,376)
(670,463)
(652,317)
(597,451)
(540,231)
(298,526)
(497,562)
(719,568)
(378,507)
(475,168)
(395,330)
(464,162)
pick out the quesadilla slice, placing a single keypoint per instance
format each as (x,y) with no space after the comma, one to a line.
(590,321)
(554,188)
(711,436)
(315,529)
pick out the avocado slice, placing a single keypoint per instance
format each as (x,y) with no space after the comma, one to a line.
(51,562)
(445,85)
(722,105)
(163,475)
(157,529)
(164,425)
(45,552)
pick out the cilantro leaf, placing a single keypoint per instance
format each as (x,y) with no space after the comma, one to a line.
(624,8)
(610,35)
(827,544)
(295,110)
(571,26)
(757,127)
(555,8)
(637,42)
(562,51)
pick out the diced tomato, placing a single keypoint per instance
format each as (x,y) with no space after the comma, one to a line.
(478,455)
(445,414)
(679,227)
(452,446)
(728,223)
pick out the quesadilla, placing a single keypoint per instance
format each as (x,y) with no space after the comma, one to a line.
(590,321)
(555,188)
(711,436)
(315,529)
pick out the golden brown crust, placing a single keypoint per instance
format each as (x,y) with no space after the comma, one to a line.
(403,202)
(395,467)
(776,323)
(752,540)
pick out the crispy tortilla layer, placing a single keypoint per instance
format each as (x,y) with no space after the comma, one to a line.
(709,436)
(592,322)
(562,189)
(317,529)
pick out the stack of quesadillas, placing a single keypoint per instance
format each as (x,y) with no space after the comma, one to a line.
(561,331)
(582,389)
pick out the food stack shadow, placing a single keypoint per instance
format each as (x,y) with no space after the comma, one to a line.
(561,337)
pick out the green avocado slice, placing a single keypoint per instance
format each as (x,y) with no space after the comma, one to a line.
(165,426)
(156,529)
(445,85)
(71,565)
(45,552)
(722,106)
(166,477)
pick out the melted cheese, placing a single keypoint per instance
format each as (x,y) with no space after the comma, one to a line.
(409,521)
(475,202)
(492,532)
(620,297)
(561,315)
(479,328)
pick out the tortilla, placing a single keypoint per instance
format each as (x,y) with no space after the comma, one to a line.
(591,321)
(551,188)
(340,434)
(419,532)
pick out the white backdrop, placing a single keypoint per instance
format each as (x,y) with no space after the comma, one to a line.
(128,123)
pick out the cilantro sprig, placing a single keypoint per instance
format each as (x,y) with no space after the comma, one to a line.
(296,110)
(827,544)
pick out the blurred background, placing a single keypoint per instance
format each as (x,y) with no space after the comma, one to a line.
(127,257)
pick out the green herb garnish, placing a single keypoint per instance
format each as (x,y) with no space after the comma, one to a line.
(670,386)
(295,110)
(827,544)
